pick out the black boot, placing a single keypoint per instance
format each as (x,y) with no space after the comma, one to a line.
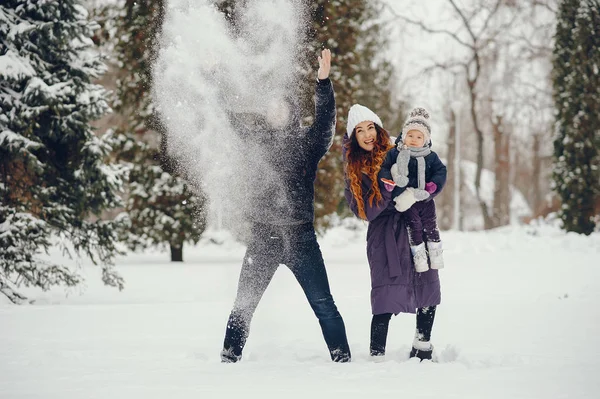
(421,354)
(227,356)
(340,356)
(235,338)
(421,346)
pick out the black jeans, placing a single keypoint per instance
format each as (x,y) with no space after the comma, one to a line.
(380,324)
(297,248)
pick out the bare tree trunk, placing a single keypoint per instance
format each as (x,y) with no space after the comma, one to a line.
(176,252)
(501,205)
(536,172)
(488,223)
(521,172)
(447,196)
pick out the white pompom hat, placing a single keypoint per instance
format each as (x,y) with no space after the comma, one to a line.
(359,113)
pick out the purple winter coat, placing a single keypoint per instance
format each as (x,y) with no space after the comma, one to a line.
(395,285)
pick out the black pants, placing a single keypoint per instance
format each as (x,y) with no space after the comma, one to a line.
(380,324)
(297,248)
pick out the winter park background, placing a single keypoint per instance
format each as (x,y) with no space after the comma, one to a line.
(150,192)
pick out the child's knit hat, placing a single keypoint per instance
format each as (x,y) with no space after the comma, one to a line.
(359,113)
(418,119)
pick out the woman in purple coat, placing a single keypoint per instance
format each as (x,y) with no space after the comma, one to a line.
(395,285)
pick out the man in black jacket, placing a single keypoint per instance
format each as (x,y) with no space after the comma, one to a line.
(282,217)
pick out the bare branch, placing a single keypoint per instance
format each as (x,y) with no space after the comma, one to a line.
(430,30)
(475,13)
(501,29)
(536,51)
(466,66)
(539,90)
(476,38)
(545,5)
(490,16)
(465,21)
(446,67)
(443,66)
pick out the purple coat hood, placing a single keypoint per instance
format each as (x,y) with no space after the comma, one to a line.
(395,286)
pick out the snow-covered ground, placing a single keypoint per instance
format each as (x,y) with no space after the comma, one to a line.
(519,319)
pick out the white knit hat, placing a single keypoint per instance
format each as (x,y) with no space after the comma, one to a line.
(359,113)
(418,119)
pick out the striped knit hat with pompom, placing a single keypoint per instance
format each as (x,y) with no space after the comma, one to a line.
(418,119)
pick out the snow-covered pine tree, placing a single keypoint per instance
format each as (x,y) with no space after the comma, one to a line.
(576,81)
(163,208)
(54,177)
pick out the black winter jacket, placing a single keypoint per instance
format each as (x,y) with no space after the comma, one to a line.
(286,197)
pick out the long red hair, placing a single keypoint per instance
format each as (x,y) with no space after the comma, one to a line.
(359,161)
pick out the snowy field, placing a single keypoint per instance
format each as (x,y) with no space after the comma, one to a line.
(520,318)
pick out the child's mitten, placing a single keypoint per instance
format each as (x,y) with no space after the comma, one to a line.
(421,195)
(430,187)
(405,200)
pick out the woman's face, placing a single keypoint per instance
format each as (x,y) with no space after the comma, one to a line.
(366,135)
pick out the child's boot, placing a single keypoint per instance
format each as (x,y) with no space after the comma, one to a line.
(420,257)
(435,254)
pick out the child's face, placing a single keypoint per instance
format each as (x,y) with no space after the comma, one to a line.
(366,135)
(414,138)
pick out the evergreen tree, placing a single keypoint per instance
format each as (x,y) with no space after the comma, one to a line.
(576,80)
(162,207)
(53,172)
